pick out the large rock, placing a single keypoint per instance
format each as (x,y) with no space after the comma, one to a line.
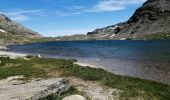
(75,97)
(33,90)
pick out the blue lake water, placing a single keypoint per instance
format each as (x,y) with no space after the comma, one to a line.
(144,59)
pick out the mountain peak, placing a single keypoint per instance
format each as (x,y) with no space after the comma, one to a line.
(151,9)
(5,18)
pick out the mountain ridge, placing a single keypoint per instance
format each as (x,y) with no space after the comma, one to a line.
(151,18)
(13,27)
(12,33)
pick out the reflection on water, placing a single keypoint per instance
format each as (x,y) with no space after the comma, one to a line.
(143,59)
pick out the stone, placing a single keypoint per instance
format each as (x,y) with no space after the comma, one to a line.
(58,87)
(33,90)
(39,56)
(17,82)
(75,97)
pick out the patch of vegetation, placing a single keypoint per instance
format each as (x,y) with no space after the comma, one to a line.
(131,88)
(11,67)
(9,38)
(156,36)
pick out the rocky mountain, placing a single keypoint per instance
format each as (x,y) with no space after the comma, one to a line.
(152,21)
(14,33)
(7,25)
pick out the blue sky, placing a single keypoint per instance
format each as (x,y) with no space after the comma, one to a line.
(67,17)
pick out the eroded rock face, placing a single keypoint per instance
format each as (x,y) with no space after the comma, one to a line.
(33,90)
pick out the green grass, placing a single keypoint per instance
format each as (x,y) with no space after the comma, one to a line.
(156,36)
(131,88)
(8,38)
(9,67)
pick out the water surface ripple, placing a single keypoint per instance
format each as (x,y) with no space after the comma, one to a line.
(144,59)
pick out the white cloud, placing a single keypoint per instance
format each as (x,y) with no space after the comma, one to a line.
(73,10)
(19,17)
(76,7)
(113,5)
(100,6)
(22,15)
(59,13)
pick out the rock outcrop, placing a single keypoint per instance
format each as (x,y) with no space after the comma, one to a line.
(152,17)
(13,89)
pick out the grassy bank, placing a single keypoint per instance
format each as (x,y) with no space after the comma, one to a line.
(131,88)
(8,39)
(155,36)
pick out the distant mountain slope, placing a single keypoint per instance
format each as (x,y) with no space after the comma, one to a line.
(7,25)
(14,33)
(151,20)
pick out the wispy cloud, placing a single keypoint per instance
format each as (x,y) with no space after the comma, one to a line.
(59,13)
(22,15)
(113,5)
(101,6)
(72,10)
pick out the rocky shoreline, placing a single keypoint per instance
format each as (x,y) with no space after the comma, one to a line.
(42,77)
(17,88)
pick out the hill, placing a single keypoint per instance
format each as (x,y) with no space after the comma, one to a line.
(13,33)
